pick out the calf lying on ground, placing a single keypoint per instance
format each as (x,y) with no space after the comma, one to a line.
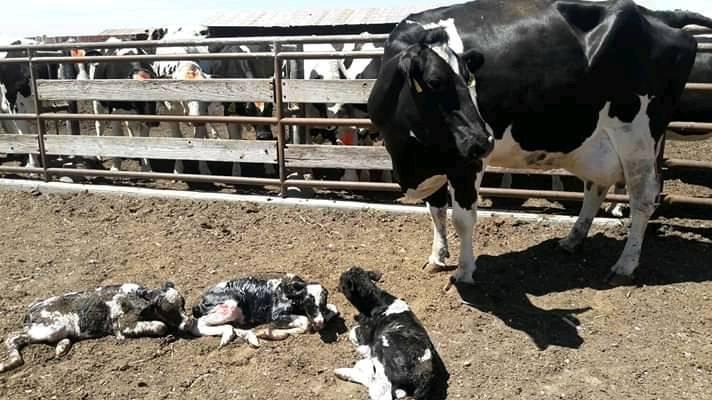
(127,310)
(287,303)
(399,358)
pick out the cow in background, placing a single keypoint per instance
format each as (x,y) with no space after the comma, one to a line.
(17,92)
(183,70)
(136,70)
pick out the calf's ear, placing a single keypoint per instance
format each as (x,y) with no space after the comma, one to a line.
(375,275)
(295,289)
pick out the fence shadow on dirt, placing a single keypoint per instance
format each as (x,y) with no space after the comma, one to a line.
(672,255)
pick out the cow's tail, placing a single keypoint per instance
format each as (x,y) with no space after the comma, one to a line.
(681,18)
(14,343)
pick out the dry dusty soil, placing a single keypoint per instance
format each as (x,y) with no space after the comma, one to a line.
(539,324)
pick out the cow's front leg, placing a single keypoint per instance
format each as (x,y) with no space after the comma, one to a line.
(143,329)
(286,326)
(464,189)
(437,204)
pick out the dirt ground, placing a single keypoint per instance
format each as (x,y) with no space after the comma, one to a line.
(540,324)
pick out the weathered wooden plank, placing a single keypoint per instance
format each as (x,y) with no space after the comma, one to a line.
(158,89)
(326,91)
(249,151)
(356,157)
(18,144)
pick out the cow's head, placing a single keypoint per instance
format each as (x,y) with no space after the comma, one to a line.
(312,299)
(441,84)
(142,71)
(168,306)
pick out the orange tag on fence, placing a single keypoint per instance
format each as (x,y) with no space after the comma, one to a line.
(348,137)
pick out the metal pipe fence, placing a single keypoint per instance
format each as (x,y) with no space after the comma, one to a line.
(281,118)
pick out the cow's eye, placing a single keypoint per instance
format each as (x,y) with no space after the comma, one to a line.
(435,84)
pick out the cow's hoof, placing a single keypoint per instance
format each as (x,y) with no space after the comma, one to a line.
(570,246)
(615,279)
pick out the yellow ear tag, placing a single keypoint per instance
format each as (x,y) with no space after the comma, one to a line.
(418,89)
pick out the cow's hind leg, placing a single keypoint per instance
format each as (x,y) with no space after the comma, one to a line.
(643,186)
(637,151)
(592,199)
(218,322)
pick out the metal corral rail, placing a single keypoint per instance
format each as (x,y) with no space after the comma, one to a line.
(278,90)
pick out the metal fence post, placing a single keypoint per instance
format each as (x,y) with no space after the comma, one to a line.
(278,114)
(39,121)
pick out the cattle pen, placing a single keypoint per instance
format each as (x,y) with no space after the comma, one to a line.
(539,323)
(280,90)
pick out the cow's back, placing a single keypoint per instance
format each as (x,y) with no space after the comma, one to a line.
(544,80)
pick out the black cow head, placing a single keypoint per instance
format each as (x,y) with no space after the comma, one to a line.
(358,286)
(311,298)
(440,83)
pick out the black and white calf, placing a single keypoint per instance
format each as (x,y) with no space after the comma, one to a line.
(287,303)
(586,86)
(125,311)
(398,357)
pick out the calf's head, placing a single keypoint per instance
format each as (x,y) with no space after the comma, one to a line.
(441,84)
(312,299)
(168,306)
(359,288)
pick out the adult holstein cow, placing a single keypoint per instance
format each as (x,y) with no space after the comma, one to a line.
(586,86)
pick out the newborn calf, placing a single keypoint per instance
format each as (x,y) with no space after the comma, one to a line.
(287,303)
(399,358)
(127,310)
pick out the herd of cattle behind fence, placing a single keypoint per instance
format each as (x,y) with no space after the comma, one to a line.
(285,90)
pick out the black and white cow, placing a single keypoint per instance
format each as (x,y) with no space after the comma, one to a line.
(287,303)
(398,357)
(137,70)
(183,70)
(586,86)
(17,90)
(125,311)
(258,68)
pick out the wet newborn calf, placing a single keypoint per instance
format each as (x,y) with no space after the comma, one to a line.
(399,358)
(127,310)
(287,303)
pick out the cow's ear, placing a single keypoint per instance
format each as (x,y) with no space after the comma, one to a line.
(473,59)
(411,67)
